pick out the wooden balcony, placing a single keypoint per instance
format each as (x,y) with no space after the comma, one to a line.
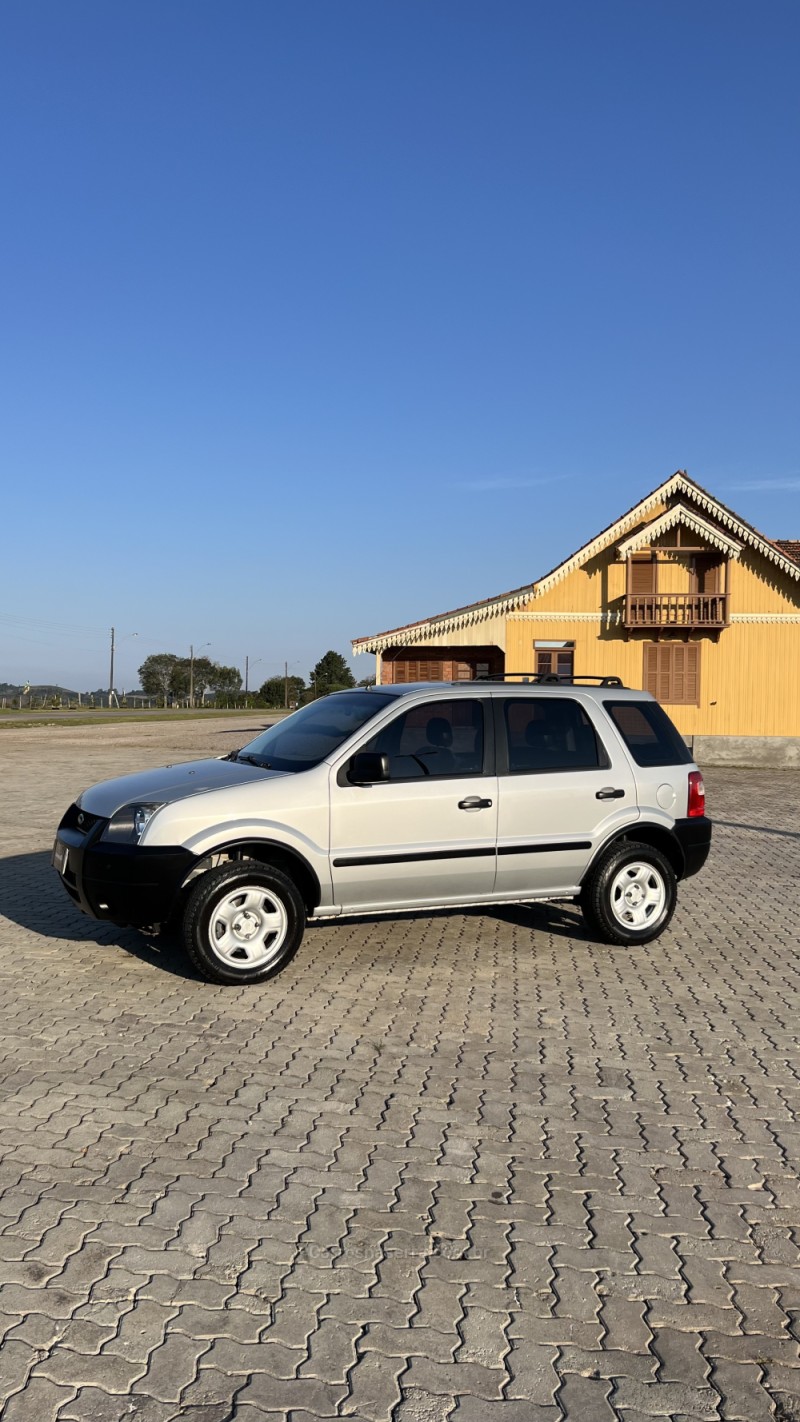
(689,610)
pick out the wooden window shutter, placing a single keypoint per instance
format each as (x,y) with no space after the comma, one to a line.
(678,678)
(651,651)
(643,576)
(685,670)
(672,672)
(692,650)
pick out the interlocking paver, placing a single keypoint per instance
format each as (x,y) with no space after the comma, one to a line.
(40,1400)
(112,1374)
(586,1398)
(464,1166)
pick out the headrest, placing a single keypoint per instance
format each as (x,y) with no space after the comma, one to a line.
(439,732)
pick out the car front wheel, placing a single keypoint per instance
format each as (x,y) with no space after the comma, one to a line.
(243,923)
(630,894)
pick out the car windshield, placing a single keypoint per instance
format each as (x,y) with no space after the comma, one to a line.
(309,735)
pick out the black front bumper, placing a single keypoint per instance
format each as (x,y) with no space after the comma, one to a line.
(694,838)
(126,883)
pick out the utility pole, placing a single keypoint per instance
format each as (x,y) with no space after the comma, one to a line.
(191,669)
(286,685)
(111,671)
(246,675)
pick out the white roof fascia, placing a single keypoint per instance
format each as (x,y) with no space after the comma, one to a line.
(747,535)
(436,626)
(679,514)
(609,535)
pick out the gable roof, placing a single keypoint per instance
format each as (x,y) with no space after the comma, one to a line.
(679,484)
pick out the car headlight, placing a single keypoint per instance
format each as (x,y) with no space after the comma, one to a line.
(128,824)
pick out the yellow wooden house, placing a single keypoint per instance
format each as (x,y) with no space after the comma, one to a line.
(680,596)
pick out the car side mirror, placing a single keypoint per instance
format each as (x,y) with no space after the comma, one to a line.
(367,768)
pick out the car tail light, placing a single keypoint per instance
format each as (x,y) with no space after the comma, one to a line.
(697,795)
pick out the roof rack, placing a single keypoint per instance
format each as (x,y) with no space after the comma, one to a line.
(552,679)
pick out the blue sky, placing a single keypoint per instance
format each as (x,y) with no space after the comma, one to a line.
(325,315)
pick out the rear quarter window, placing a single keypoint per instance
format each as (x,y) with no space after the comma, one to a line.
(648,733)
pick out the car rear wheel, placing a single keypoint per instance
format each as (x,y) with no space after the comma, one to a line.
(630,894)
(243,923)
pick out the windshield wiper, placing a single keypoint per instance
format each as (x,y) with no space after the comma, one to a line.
(251,760)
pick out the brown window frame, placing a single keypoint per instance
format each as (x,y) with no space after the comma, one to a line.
(552,654)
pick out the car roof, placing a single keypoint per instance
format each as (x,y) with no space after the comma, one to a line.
(511,688)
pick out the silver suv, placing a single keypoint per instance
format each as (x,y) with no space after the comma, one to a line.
(399,797)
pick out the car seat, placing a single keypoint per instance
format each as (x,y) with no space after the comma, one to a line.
(437,753)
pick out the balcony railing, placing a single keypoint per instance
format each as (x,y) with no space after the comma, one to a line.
(676,609)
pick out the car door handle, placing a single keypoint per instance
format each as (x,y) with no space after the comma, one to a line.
(474,802)
(609,793)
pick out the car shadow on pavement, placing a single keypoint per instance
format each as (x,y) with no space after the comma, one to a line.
(32,897)
(758,829)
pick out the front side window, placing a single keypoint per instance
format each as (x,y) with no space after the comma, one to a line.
(310,735)
(436,739)
(550,733)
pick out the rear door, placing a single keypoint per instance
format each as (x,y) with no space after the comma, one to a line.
(428,834)
(563,787)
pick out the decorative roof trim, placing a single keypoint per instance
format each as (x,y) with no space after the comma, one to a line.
(435,627)
(678,483)
(765,617)
(610,618)
(608,535)
(679,514)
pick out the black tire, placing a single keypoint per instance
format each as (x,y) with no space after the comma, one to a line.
(268,910)
(617,919)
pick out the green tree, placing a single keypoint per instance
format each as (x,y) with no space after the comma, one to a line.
(156,673)
(273,690)
(225,681)
(179,681)
(332,674)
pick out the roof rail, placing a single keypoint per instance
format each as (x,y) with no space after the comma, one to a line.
(552,679)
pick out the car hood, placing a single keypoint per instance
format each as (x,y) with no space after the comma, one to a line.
(169,783)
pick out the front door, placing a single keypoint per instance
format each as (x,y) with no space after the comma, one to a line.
(562,791)
(427,835)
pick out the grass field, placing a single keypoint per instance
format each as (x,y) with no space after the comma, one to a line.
(63,718)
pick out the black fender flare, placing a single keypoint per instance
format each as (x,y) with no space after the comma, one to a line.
(642,832)
(280,856)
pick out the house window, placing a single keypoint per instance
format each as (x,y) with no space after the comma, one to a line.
(555,659)
(672,672)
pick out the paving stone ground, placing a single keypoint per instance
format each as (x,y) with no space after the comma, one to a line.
(467,1165)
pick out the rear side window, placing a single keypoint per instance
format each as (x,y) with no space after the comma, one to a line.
(648,733)
(550,733)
